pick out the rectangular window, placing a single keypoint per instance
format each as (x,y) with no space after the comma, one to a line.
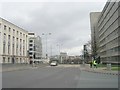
(9,29)
(13,49)
(8,38)
(31,40)
(8,60)
(13,39)
(31,57)
(17,32)
(5,27)
(20,60)
(17,46)
(30,49)
(20,46)
(23,35)
(0,25)
(30,45)
(20,34)
(3,59)
(8,44)
(13,31)
(30,53)
(23,47)
(4,48)
(4,38)
(4,43)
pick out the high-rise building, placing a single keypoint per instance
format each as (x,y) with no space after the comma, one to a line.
(13,43)
(108,32)
(35,46)
(94,32)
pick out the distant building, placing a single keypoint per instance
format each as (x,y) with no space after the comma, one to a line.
(35,46)
(71,57)
(13,43)
(63,57)
(108,28)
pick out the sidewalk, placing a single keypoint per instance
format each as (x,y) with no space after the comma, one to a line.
(15,67)
(100,70)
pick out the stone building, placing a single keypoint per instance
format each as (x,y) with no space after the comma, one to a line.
(13,43)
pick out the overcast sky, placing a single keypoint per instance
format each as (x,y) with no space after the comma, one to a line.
(68,22)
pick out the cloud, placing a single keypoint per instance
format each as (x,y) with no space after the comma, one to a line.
(67,21)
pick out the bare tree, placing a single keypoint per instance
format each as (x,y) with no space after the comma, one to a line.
(88,45)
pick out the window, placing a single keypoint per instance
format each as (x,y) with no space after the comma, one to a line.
(0,25)
(17,32)
(13,48)
(8,60)
(13,39)
(9,38)
(4,48)
(3,59)
(4,37)
(30,53)
(5,27)
(13,31)
(9,44)
(9,29)
(31,33)
(30,45)
(20,46)
(23,35)
(20,60)
(4,43)
(30,57)
(31,40)
(23,47)
(20,34)
(17,47)
(31,49)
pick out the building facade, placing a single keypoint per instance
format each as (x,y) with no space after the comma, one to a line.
(94,32)
(35,46)
(14,43)
(108,27)
(63,57)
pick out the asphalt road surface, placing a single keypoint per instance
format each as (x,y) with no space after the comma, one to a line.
(57,77)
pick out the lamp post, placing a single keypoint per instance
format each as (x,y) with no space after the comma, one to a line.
(59,47)
(46,36)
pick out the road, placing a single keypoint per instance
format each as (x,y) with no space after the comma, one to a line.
(58,77)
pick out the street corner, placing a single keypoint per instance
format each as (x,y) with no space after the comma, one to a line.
(102,71)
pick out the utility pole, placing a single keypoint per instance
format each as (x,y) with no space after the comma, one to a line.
(51,50)
(46,37)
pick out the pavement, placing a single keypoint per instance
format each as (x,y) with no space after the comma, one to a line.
(15,67)
(100,70)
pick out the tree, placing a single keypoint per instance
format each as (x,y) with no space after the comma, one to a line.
(88,46)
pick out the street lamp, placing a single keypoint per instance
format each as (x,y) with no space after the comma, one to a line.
(59,47)
(46,35)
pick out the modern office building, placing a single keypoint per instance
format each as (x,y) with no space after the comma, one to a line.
(13,43)
(108,28)
(94,32)
(35,46)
